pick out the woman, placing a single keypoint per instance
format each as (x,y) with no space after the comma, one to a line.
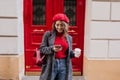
(57,45)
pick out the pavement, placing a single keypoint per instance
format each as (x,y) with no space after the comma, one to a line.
(37,78)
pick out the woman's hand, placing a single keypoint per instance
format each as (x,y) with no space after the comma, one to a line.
(57,48)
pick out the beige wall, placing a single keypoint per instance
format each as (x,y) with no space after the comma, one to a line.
(11,67)
(101,69)
(11,40)
(102,40)
(105,30)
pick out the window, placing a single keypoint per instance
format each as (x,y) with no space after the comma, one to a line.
(39,12)
(70,11)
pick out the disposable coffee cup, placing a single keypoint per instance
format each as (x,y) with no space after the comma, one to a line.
(77,52)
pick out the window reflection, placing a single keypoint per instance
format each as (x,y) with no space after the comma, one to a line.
(70,10)
(39,12)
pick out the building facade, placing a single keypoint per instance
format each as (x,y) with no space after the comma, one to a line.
(101,55)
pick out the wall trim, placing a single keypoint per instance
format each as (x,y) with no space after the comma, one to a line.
(6,17)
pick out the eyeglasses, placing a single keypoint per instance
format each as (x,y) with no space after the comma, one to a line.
(61,25)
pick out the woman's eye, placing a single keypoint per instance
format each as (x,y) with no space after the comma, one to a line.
(60,25)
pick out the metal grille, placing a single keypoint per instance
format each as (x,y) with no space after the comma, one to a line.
(39,12)
(70,11)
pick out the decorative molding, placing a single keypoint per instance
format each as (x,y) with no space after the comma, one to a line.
(6,17)
(106,20)
(102,0)
(115,0)
(110,58)
(8,36)
(32,73)
(107,0)
(105,39)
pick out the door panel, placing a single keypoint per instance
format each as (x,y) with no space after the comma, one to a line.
(72,9)
(38,19)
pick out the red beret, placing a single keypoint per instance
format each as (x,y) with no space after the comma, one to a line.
(61,17)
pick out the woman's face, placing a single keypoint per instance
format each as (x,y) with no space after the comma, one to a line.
(60,26)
